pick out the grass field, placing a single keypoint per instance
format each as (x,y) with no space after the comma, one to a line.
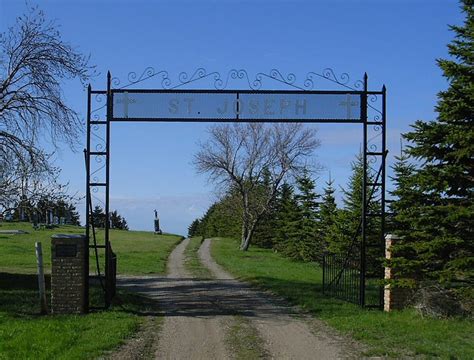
(395,334)
(138,252)
(25,334)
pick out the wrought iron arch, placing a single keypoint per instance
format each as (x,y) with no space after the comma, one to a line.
(344,275)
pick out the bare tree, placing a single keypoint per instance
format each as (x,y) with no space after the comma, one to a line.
(34,60)
(255,159)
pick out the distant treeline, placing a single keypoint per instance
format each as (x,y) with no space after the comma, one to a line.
(303,222)
(44,210)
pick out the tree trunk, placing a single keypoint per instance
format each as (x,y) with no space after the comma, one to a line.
(244,234)
(244,246)
(245,243)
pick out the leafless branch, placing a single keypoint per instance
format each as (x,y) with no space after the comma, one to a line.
(255,159)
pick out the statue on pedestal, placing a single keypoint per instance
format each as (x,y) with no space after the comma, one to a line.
(157,224)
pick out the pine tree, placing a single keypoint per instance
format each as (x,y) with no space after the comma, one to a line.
(98,217)
(441,219)
(286,222)
(328,215)
(222,218)
(208,226)
(73,216)
(349,218)
(353,194)
(345,234)
(403,259)
(264,233)
(307,231)
(117,221)
(193,229)
(404,198)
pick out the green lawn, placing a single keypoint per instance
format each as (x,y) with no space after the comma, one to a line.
(138,252)
(394,334)
(24,334)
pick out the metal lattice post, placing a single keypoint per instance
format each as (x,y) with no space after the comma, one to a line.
(382,198)
(88,172)
(364,197)
(108,290)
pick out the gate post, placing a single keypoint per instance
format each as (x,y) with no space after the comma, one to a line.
(69,273)
(109,290)
(395,297)
(364,195)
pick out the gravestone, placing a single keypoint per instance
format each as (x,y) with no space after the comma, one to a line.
(69,274)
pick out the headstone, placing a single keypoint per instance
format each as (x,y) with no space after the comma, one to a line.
(35,220)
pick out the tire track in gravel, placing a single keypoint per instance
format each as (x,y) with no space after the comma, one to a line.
(287,333)
(192,327)
(199,313)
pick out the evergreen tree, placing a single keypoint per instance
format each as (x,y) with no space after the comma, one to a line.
(193,229)
(124,225)
(348,219)
(98,217)
(222,218)
(439,225)
(286,222)
(403,259)
(353,193)
(307,231)
(208,229)
(72,216)
(117,221)
(264,234)
(265,231)
(328,216)
(345,233)
(404,198)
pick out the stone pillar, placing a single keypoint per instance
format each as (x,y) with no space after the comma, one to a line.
(69,274)
(394,297)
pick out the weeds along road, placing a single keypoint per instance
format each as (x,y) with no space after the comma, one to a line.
(201,317)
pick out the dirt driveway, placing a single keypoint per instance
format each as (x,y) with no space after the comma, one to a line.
(197,315)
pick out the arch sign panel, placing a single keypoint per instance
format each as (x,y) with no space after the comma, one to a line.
(244,106)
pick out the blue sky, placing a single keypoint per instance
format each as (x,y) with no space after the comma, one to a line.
(395,42)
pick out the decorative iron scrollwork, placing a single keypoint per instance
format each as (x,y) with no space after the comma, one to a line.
(221,82)
(329,74)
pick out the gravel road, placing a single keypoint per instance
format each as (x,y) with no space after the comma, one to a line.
(198,312)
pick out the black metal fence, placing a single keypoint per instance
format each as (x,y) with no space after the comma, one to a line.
(341,277)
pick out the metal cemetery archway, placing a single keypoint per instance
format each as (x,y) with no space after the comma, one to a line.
(350,275)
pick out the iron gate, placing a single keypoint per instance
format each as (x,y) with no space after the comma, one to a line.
(345,275)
